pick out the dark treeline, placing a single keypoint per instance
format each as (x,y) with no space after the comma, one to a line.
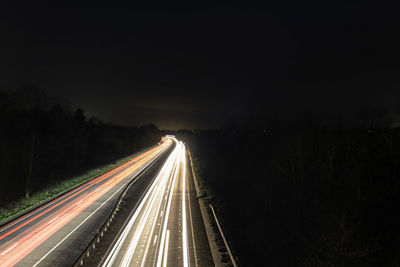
(305,195)
(42,142)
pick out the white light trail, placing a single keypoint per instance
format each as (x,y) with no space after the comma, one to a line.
(155,203)
(163,235)
(184,225)
(117,247)
(146,231)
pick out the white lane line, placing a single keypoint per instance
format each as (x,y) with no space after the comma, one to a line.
(155,240)
(184,226)
(10,248)
(166,249)
(53,220)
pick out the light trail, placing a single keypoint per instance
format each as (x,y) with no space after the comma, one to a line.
(68,195)
(20,237)
(184,225)
(117,247)
(150,236)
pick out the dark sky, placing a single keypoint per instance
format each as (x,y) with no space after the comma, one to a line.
(199,65)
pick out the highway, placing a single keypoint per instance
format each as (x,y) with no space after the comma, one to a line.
(166,228)
(57,232)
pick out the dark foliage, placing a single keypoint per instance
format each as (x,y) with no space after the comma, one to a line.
(42,143)
(305,196)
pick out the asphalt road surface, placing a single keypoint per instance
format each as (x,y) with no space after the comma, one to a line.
(166,227)
(57,233)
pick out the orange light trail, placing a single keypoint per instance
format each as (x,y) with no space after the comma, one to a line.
(21,245)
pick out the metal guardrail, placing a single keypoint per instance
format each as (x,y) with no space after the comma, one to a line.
(205,214)
(96,240)
(223,237)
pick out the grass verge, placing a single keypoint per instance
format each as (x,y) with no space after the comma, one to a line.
(19,206)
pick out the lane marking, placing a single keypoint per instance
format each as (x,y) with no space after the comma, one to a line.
(10,248)
(166,249)
(53,220)
(184,226)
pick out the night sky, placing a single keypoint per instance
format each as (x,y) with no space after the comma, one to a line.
(199,65)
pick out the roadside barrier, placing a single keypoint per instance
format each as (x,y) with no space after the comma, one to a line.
(100,233)
(223,237)
(211,234)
